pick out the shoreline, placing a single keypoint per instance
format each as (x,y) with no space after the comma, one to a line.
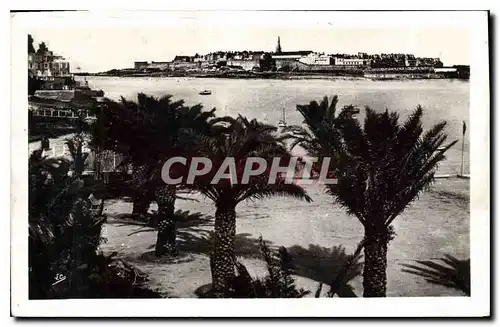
(402,77)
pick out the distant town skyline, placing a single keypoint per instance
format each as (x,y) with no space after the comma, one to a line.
(102,49)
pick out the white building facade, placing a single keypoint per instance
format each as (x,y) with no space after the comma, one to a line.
(349,62)
(47,64)
(317,59)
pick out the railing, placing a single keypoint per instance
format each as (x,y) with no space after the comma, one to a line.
(61,113)
(108,160)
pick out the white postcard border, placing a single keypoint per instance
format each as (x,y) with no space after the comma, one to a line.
(476,305)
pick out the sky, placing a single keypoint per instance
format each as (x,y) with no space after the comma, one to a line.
(98,49)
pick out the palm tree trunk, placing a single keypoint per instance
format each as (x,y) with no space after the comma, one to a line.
(375,267)
(222,261)
(165,241)
(144,192)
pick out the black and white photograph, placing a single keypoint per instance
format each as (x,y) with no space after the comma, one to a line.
(204,163)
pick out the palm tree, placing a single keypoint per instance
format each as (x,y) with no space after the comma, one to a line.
(75,147)
(241,140)
(380,166)
(147,133)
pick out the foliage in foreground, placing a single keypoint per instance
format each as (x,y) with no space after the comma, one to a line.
(64,235)
(281,265)
(454,273)
(278,283)
(329,266)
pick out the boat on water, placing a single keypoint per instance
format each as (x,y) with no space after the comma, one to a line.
(282,122)
(205,92)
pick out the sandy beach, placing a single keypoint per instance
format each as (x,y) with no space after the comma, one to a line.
(436,224)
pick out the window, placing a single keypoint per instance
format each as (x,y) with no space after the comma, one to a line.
(54,113)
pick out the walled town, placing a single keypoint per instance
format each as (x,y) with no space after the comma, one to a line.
(287,64)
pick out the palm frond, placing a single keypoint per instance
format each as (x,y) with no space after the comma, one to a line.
(381,165)
(454,273)
(280,188)
(242,140)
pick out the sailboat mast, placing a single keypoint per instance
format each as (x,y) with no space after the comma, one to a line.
(282,122)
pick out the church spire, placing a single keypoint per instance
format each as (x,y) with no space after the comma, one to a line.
(278,46)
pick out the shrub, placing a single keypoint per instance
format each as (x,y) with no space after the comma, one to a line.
(64,234)
(279,282)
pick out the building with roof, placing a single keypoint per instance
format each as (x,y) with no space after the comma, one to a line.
(317,59)
(182,59)
(284,60)
(46,64)
(248,60)
(291,54)
(138,65)
(349,62)
(246,64)
(161,65)
(60,66)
